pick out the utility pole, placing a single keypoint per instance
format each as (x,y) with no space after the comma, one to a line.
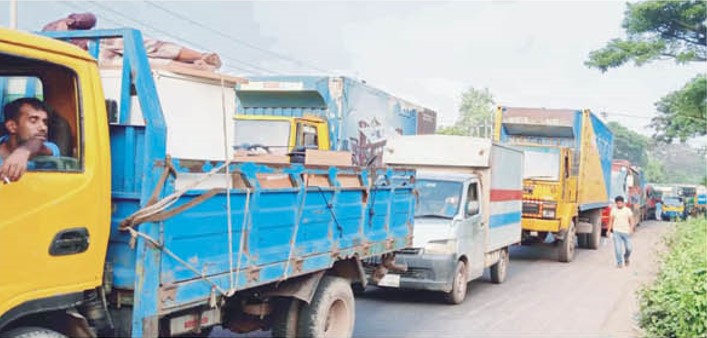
(13,14)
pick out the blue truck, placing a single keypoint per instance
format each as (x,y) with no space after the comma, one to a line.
(350,115)
(129,234)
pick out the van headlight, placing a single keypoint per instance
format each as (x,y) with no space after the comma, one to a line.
(549,210)
(444,247)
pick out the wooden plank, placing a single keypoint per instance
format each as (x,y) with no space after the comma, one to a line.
(328,157)
(274,181)
(349,181)
(317,180)
(263,158)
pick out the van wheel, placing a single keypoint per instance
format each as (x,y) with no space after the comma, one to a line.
(285,317)
(567,248)
(331,312)
(459,284)
(33,332)
(498,270)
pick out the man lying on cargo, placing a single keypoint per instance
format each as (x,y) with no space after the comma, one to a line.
(26,125)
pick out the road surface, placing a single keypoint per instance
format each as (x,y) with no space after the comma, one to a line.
(541,297)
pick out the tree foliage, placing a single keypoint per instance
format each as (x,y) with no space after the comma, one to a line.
(629,145)
(475,114)
(683,113)
(657,30)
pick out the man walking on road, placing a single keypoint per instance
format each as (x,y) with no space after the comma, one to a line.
(621,222)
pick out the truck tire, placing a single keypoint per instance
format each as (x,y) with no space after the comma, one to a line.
(331,312)
(285,317)
(594,239)
(459,284)
(32,332)
(567,248)
(499,270)
(583,241)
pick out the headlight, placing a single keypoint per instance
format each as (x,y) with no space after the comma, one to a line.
(445,247)
(549,210)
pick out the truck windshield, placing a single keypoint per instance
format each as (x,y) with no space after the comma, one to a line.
(438,199)
(672,201)
(541,166)
(267,135)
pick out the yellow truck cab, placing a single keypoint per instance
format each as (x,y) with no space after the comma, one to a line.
(51,215)
(281,134)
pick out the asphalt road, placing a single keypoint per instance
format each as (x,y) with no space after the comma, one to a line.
(540,297)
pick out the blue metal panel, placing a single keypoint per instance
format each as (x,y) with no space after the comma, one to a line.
(605,146)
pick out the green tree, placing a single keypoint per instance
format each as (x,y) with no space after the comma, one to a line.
(475,114)
(665,30)
(657,30)
(654,171)
(629,145)
(683,113)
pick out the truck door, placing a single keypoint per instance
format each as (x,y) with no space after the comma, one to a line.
(475,229)
(54,221)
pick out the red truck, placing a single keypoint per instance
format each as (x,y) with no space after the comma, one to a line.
(627,181)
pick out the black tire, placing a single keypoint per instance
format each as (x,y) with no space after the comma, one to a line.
(32,332)
(285,317)
(500,269)
(594,239)
(583,241)
(459,285)
(567,248)
(331,312)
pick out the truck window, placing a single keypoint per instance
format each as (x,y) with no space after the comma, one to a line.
(307,136)
(56,89)
(271,135)
(472,197)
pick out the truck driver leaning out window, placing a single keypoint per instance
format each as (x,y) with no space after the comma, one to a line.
(26,124)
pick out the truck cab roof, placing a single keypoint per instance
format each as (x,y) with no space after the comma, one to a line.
(17,37)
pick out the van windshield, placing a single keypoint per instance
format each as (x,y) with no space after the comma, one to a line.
(439,199)
(672,201)
(267,135)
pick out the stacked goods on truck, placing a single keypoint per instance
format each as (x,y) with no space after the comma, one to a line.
(146,226)
(567,173)
(468,214)
(320,112)
(627,181)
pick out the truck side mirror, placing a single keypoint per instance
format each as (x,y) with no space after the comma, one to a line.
(472,208)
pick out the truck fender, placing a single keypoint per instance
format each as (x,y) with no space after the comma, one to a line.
(302,287)
(39,306)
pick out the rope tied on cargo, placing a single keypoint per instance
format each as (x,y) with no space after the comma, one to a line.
(155,211)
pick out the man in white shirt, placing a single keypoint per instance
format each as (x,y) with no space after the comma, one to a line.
(622,223)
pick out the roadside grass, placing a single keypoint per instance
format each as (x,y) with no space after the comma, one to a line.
(675,304)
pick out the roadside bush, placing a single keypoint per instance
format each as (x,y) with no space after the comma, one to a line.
(675,305)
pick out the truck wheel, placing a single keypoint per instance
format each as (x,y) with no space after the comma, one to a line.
(458,292)
(285,317)
(594,239)
(331,312)
(498,270)
(33,332)
(567,245)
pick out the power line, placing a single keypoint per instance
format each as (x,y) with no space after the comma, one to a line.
(229,37)
(154,29)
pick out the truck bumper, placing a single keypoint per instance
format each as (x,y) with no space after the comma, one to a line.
(427,272)
(535,224)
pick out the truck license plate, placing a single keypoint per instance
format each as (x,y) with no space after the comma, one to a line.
(390,280)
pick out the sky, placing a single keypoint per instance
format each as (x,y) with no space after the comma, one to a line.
(527,53)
